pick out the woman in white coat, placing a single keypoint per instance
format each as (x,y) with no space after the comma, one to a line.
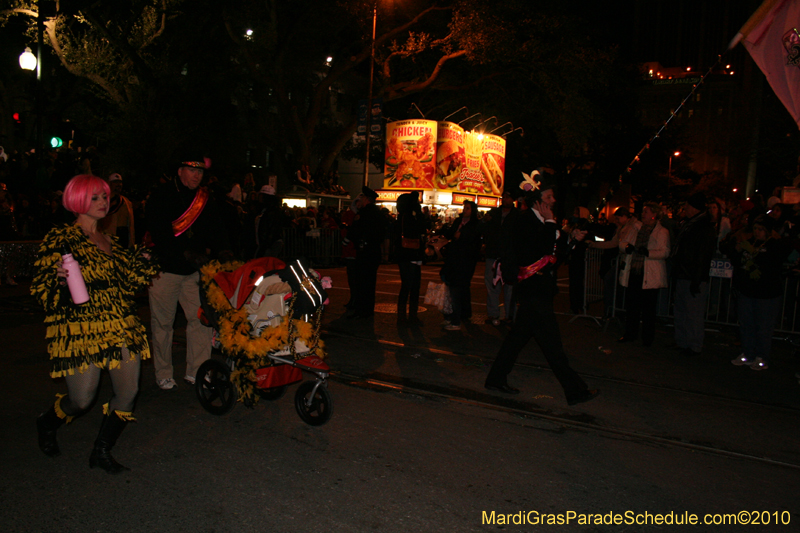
(645,272)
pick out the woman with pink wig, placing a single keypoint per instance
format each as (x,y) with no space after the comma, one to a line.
(103,333)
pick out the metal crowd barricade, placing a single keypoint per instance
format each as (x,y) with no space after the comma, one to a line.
(20,255)
(320,245)
(721,303)
(592,283)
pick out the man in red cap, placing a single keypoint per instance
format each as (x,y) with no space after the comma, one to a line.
(187,230)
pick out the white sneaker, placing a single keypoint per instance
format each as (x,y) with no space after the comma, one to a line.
(166,384)
(741,361)
(759,364)
(188,379)
(452,327)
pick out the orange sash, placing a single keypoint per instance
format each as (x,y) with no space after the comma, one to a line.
(185,221)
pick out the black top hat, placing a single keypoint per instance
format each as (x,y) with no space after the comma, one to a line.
(535,184)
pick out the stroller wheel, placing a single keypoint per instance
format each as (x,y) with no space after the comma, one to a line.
(315,408)
(214,389)
(274,393)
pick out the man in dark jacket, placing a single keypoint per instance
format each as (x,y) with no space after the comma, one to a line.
(498,226)
(532,258)
(692,254)
(269,224)
(187,230)
(367,232)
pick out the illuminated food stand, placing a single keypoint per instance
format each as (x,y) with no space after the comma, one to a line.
(445,163)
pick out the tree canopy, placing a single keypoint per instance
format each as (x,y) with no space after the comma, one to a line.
(153,72)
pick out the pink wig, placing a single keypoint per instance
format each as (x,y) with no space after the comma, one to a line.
(78,193)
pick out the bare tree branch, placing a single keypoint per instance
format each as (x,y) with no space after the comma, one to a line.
(113,93)
(402,89)
(139,65)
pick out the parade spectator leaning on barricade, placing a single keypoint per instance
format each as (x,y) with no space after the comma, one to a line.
(498,227)
(645,272)
(758,287)
(580,219)
(625,232)
(719,219)
(691,255)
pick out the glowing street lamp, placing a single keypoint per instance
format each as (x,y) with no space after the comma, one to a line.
(674,154)
(27,61)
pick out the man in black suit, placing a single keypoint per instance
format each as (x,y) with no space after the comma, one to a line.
(529,260)
(367,232)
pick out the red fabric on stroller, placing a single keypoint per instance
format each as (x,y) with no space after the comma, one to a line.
(245,277)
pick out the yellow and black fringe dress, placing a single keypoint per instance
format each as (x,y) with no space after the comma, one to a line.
(95,332)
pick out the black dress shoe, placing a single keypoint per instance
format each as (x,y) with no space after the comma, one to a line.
(584,397)
(626,338)
(505,387)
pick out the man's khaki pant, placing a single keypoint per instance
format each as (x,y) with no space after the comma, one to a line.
(165,294)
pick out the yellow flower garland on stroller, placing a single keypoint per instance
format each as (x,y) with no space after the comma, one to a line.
(267,316)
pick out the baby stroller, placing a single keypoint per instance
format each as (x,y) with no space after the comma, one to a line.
(266,315)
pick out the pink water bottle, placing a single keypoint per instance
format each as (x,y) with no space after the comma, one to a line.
(77,287)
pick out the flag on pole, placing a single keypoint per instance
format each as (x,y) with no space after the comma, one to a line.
(772,38)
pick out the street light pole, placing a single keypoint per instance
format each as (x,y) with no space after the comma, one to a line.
(669,172)
(369,99)
(39,52)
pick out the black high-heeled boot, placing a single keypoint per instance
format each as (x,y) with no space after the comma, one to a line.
(47,424)
(101,453)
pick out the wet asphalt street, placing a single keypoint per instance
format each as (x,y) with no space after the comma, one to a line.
(416,443)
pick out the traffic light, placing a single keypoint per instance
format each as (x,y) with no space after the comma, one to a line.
(56,142)
(17,118)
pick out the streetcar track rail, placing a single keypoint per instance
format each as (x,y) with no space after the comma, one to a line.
(488,360)
(384,383)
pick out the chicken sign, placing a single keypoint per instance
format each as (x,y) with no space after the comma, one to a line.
(424,154)
(410,154)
